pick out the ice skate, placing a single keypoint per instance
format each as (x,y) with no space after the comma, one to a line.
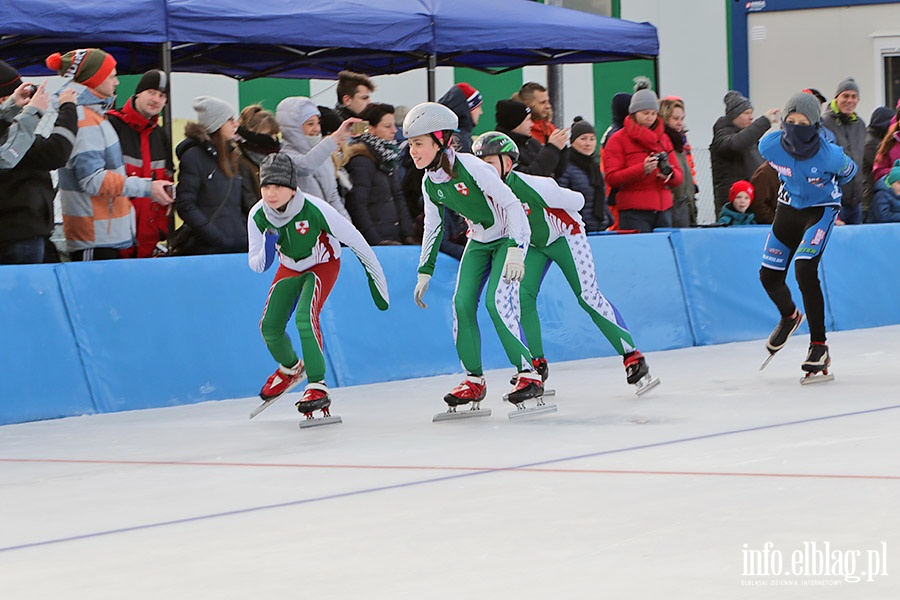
(816,364)
(528,386)
(278,384)
(637,373)
(316,398)
(540,367)
(472,391)
(780,335)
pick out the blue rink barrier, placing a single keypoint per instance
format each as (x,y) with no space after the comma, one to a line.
(84,338)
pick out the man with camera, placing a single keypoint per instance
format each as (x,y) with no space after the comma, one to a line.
(639,162)
(26,190)
(21,107)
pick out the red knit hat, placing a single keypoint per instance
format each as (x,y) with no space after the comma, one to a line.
(89,66)
(740,186)
(473,96)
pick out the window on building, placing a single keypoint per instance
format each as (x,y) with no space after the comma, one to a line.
(891,80)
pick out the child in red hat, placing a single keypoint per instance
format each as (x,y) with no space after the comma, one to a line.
(740,197)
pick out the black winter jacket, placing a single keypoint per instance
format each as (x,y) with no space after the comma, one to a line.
(26,191)
(202,188)
(734,154)
(376,203)
(535,159)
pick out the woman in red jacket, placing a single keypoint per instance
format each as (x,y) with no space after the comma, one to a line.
(639,162)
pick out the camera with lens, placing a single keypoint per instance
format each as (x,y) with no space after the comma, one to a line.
(662,163)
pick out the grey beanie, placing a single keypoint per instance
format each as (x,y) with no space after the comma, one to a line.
(735,104)
(277,169)
(212,113)
(643,99)
(804,103)
(848,84)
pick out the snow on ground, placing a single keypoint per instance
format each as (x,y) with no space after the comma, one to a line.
(671,495)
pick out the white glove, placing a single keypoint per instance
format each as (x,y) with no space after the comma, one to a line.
(421,288)
(514,267)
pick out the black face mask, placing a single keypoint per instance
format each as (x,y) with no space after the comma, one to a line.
(800,141)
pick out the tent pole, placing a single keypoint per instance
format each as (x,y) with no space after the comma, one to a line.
(166,60)
(555,83)
(432,68)
(656,73)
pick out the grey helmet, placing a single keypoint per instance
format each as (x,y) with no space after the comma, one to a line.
(429,117)
(495,143)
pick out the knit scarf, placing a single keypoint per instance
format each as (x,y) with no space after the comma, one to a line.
(387,153)
(841,117)
(677,137)
(259,143)
(588,164)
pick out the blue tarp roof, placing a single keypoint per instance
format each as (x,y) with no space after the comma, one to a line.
(316,38)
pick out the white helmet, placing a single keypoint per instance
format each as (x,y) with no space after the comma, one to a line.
(429,117)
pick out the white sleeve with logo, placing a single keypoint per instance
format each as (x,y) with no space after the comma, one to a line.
(493,187)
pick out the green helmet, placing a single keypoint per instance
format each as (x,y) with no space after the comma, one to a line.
(495,143)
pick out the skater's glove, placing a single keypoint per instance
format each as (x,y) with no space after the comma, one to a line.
(514,267)
(421,288)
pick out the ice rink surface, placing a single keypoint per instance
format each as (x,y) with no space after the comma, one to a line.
(671,495)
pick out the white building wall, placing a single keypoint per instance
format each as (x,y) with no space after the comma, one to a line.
(693,65)
(817,48)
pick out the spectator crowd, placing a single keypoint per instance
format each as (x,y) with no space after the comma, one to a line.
(110,171)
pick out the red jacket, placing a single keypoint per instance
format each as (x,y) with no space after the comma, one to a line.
(623,164)
(147,153)
(541,130)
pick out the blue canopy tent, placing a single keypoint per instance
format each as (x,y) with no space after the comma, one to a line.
(315,38)
(31,30)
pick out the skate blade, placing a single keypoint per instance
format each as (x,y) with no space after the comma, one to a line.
(329,420)
(540,409)
(266,404)
(642,386)
(766,362)
(820,378)
(546,394)
(462,414)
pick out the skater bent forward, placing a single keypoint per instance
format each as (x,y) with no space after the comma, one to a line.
(305,234)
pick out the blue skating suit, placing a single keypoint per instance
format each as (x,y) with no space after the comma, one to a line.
(813,182)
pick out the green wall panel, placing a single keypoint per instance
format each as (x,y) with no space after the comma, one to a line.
(492,88)
(269,91)
(611,79)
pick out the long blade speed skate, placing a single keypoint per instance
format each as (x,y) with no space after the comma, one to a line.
(279,383)
(316,398)
(780,335)
(816,365)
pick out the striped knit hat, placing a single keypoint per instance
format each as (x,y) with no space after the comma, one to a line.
(88,66)
(473,96)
